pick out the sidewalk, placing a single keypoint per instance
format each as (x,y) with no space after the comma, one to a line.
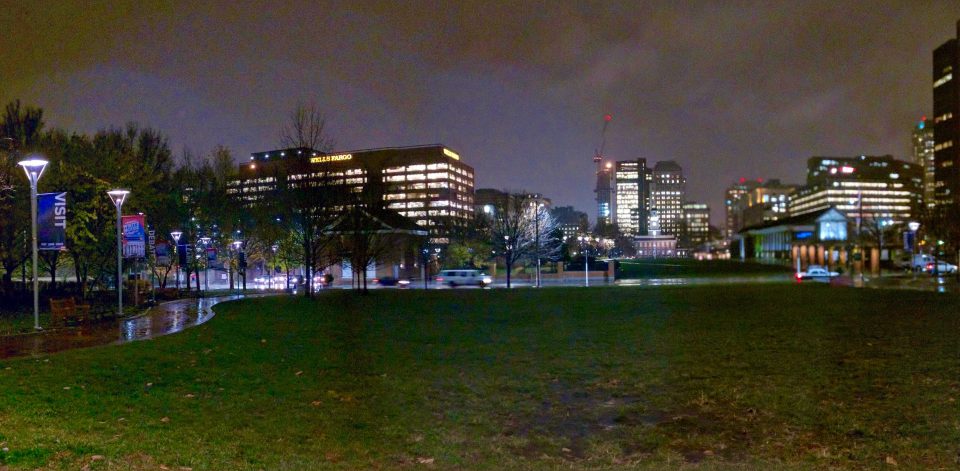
(165,319)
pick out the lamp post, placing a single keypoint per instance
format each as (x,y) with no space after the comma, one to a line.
(271,270)
(176,234)
(537,206)
(236,250)
(206,265)
(118,197)
(34,166)
(913,226)
(586,259)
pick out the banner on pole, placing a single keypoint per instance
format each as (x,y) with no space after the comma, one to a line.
(162,252)
(134,236)
(211,254)
(51,221)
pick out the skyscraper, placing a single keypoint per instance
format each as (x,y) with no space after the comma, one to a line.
(946,125)
(696,224)
(606,195)
(734,220)
(667,194)
(923,145)
(630,213)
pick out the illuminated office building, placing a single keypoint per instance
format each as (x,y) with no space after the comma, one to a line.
(632,196)
(765,202)
(876,188)
(923,155)
(734,217)
(428,184)
(695,230)
(667,191)
(946,124)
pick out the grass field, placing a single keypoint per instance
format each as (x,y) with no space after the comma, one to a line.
(684,268)
(755,377)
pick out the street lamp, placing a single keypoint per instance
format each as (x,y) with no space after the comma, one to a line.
(236,251)
(913,226)
(586,259)
(176,234)
(206,264)
(118,197)
(537,206)
(34,166)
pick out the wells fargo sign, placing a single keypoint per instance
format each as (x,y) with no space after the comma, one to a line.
(322,159)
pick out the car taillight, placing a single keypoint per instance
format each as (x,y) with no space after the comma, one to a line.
(929,266)
(799,277)
(439,278)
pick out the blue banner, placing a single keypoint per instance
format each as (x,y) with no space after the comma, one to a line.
(51,221)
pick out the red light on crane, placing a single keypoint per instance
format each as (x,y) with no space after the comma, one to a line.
(607,117)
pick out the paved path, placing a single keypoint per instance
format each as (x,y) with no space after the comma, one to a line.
(167,318)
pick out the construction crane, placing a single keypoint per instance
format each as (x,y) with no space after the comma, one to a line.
(598,156)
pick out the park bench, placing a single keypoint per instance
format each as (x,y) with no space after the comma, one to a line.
(67,312)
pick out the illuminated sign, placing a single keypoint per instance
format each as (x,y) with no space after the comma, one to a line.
(330,158)
(449,153)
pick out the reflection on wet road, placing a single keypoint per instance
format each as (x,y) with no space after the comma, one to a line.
(167,318)
(709,280)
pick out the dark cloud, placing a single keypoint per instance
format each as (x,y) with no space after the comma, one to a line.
(727,89)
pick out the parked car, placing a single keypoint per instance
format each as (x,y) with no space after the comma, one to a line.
(391,281)
(941,267)
(464,277)
(816,273)
(918,262)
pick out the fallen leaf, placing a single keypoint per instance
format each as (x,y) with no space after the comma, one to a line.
(149,384)
(565,450)
(299,373)
(165,419)
(189,396)
(66,387)
(315,403)
(424,460)
(96,457)
(891,461)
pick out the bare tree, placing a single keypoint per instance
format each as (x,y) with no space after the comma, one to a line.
(306,128)
(521,229)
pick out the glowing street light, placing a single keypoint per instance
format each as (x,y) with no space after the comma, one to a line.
(34,166)
(118,197)
(176,234)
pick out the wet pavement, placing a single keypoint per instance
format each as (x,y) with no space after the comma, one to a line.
(167,318)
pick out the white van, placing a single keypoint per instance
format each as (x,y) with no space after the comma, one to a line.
(464,277)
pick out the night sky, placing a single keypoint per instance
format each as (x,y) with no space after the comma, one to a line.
(727,89)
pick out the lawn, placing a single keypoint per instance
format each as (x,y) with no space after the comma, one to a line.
(742,377)
(684,268)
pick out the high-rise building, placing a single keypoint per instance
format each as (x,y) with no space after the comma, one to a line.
(767,201)
(632,195)
(570,221)
(667,194)
(876,188)
(428,184)
(695,229)
(734,220)
(606,195)
(946,124)
(923,145)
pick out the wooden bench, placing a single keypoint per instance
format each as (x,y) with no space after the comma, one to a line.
(68,312)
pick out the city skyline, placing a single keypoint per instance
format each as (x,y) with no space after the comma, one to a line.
(517,90)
